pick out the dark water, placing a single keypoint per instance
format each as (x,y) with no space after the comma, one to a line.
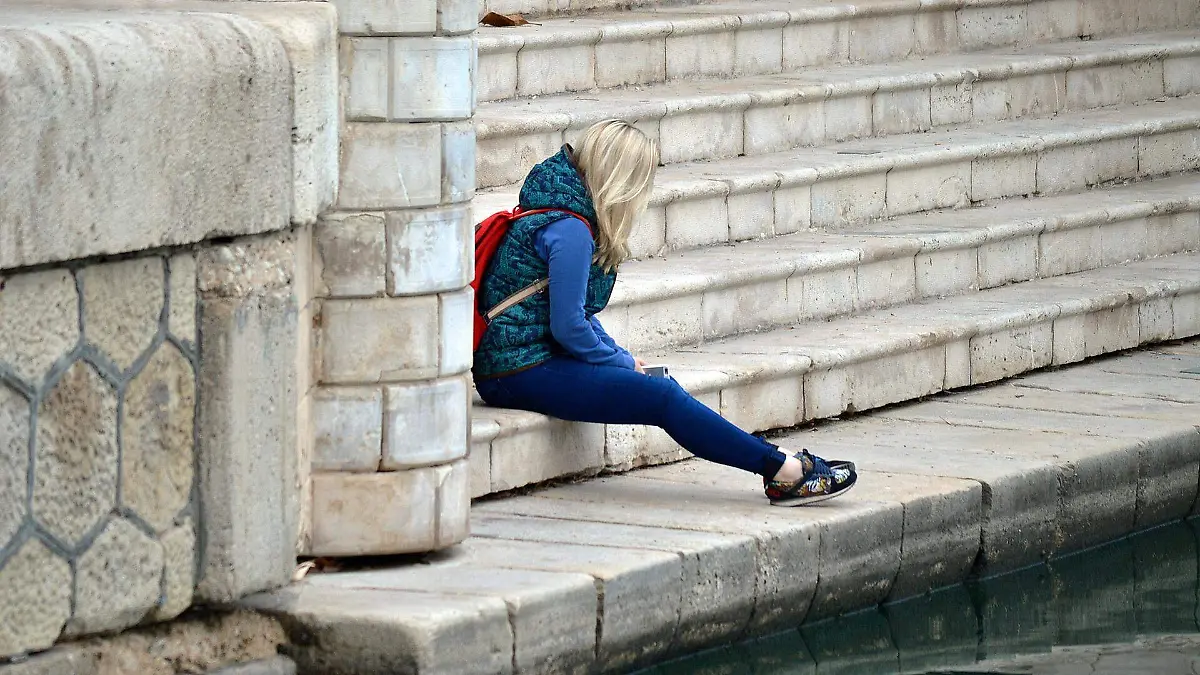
(1143,585)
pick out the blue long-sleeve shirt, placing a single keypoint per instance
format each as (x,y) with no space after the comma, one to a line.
(567,247)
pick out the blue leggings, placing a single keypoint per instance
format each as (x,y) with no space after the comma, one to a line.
(572,390)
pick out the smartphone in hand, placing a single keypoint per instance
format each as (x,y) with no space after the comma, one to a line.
(657,371)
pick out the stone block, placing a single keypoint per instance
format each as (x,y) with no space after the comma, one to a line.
(390,166)
(1110,85)
(1003,354)
(1124,241)
(958,364)
(947,272)
(350,253)
(999,177)
(927,188)
(506,160)
(39,322)
(764,405)
(364,64)
(179,570)
(1008,261)
(950,104)
(776,128)
(696,222)
(428,250)
(122,306)
(649,233)
(380,513)
(754,217)
(793,209)
(118,580)
(707,134)
(75,483)
(379,340)
(387,16)
(457,330)
(827,294)
(425,423)
(1156,320)
(877,39)
(1186,312)
(750,307)
(276,665)
(458,162)
(635,62)
(674,321)
(182,319)
(1181,76)
(347,428)
(1054,20)
(692,55)
(454,503)
(157,427)
(14,461)
(757,51)
(1070,250)
(496,78)
(901,112)
(432,78)
(875,383)
(937,31)
(555,69)
(1099,18)
(247,470)
(841,202)
(1161,154)
(1074,167)
(848,117)
(561,449)
(860,558)
(370,631)
(36,585)
(885,283)
(983,27)
(815,43)
(1019,96)
(457,16)
(99,129)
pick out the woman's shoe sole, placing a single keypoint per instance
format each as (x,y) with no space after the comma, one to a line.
(805,501)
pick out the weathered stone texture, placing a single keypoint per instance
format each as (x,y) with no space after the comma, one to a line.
(117,580)
(247,267)
(379,339)
(350,253)
(14,461)
(39,321)
(36,587)
(157,438)
(348,429)
(426,423)
(76,479)
(182,319)
(179,573)
(429,250)
(375,513)
(122,305)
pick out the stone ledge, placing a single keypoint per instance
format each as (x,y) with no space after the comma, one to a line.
(819,370)
(984,474)
(156,124)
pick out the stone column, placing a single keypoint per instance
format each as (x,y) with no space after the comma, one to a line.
(390,406)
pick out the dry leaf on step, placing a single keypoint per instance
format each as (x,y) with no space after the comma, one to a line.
(503,20)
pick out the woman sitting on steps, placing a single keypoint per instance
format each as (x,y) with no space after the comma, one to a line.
(548,353)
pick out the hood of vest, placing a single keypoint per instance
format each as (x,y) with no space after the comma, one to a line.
(555,183)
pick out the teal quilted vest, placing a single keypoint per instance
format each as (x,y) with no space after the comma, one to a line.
(520,338)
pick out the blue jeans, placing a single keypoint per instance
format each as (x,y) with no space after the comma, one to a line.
(572,390)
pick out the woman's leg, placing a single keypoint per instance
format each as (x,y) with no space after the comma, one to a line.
(572,390)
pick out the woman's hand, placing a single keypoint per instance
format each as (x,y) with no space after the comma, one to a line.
(639,365)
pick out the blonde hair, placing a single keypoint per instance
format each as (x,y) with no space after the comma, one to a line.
(617,162)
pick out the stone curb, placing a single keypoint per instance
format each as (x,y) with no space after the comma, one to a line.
(786,377)
(764,114)
(689,555)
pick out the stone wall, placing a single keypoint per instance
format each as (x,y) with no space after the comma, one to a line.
(390,405)
(168,161)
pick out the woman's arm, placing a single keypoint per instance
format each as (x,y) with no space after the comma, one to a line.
(567,247)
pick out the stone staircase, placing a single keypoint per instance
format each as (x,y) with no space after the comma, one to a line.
(862,202)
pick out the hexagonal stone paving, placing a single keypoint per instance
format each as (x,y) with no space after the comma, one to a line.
(179,554)
(36,587)
(156,434)
(39,322)
(118,580)
(75,477)
(14,461)
(122,305)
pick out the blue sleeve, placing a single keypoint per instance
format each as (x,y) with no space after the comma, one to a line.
(567,247)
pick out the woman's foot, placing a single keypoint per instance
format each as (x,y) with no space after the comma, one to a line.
(809,480)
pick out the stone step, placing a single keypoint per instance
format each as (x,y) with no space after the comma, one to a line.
(729,39)
(699,204)
(543,8)
(617,572)
(785,377)
(770,113)
(696,296)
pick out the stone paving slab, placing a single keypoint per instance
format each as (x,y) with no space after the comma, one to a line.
(624,570)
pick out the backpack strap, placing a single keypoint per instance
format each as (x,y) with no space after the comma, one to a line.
(537,286)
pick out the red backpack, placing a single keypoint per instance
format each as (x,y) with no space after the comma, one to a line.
(488,236)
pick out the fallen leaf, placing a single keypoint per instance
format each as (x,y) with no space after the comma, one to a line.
(503,20)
